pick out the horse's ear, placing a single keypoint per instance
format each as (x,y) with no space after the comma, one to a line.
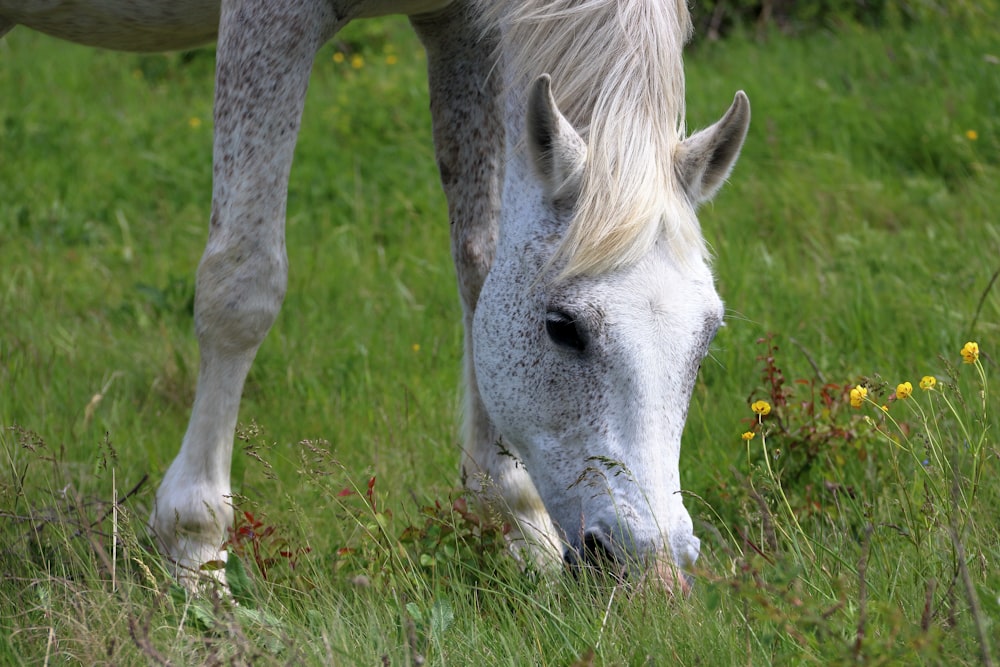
(704,160)
(557,151)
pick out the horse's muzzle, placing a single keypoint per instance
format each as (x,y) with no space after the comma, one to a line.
(598,554)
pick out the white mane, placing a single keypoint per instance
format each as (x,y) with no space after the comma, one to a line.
(618,77)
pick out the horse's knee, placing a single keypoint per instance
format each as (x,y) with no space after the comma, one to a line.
(238,296)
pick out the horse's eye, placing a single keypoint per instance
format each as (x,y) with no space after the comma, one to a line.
(563,330)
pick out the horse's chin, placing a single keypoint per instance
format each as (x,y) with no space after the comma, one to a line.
(663,574)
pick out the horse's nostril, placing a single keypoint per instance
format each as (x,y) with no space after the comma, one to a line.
(598,553)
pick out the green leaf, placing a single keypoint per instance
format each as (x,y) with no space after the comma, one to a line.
(270,628)
(442,616)
(178,594)
(414,611)
(201,615)
(239,583)
(212,565)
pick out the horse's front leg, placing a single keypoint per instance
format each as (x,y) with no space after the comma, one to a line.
(264,55)
(469,144)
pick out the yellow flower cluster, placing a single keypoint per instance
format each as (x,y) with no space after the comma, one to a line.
(358,61)
(904,390)
(858,395)
(761,409)
(970,352)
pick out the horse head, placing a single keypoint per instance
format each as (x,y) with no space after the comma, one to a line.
(587,375)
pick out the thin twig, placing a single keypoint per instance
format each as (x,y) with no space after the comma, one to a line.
(766,520)
(48,645)
(809,358)
(970,589)
(982,300)
(140,637)
(928,615)
(416,657)
(120,501)
(604,621)
(862,593)
(114,534)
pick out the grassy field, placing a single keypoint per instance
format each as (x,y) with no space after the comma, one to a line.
(860,230)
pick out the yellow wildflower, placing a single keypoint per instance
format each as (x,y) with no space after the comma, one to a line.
(904,390)
(391,59)
(194,122)
(971,135)
(885,408)
(858,395)
(927,382)
(338,57)
(762,408)
(749,435)
(357,61)
(970,352)
(415,347)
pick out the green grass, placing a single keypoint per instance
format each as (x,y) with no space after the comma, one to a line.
(859,227)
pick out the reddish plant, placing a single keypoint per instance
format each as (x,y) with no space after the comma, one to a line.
(250,539)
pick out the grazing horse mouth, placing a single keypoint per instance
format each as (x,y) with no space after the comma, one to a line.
(597,553)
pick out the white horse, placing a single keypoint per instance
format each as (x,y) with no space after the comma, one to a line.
(588,298)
